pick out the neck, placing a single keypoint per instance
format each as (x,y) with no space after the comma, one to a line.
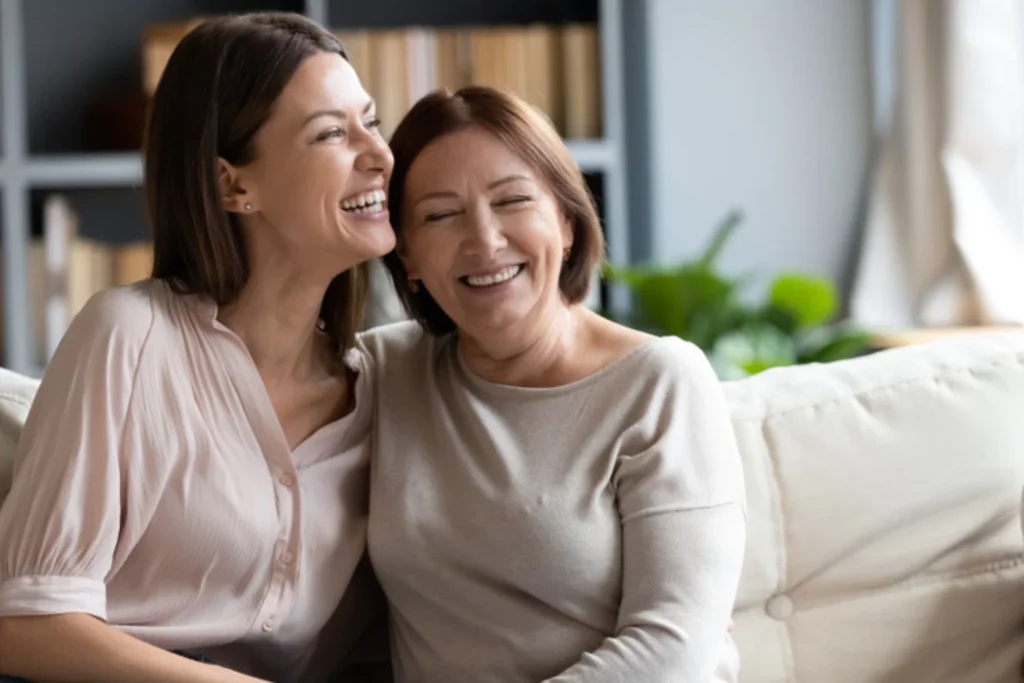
(539,360)
(276,316)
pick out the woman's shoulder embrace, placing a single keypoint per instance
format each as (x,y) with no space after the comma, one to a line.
(394,340)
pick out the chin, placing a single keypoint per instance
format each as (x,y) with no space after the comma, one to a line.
(493,321)
(375,247)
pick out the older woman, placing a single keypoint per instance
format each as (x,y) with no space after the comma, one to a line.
(554,497)
(192,475)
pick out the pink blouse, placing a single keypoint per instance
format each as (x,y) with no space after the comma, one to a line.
(154,488)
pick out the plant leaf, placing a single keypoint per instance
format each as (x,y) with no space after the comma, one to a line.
(751,350)
(782,318)
(840,346)
(811,300)
(723,232)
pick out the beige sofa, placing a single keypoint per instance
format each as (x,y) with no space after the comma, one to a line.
(884,496)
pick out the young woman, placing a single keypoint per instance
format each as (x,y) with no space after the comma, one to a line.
(554,497)
(192,477)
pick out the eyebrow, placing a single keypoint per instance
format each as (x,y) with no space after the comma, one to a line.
(337,113)
(448,194)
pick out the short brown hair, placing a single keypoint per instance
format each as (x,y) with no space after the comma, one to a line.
(216,92)
(527,133)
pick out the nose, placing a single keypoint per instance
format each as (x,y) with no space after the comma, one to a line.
(374,154)
(486,235)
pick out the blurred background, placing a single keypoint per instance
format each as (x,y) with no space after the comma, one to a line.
(867,150)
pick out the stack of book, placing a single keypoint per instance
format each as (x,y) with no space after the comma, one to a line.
(556,68)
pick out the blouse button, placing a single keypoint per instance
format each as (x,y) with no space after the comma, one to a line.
(287,480)
(287,557)
(780,607)
(268,626)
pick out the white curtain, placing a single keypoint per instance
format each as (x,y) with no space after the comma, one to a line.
(944,240)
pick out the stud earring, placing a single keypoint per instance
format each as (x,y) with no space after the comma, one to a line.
(248,206)
(414,286)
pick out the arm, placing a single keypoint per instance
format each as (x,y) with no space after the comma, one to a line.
(60,524)
(679,487)
(79,647)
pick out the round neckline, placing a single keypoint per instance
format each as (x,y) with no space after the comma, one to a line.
(512,390)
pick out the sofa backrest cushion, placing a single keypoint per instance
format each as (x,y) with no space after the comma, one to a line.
(16,394)
(884,503)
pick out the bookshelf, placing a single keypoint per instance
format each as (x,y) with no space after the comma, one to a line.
(40,96)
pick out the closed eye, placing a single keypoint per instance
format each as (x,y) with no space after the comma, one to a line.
(509,201)
(373,123)
(438,216)
(330,134)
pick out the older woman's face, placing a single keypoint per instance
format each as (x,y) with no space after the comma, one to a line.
(483,234)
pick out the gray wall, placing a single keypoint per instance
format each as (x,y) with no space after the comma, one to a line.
(760,105)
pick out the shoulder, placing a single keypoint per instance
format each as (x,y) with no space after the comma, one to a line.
(101,350)
(674,363)
(124,313)
(393,340)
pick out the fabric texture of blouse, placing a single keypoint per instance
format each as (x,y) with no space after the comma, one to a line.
(587,533)
(154,489)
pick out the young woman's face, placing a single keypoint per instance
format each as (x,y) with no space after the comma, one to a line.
(318,182)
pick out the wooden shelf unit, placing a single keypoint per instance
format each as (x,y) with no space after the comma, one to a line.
(25,168)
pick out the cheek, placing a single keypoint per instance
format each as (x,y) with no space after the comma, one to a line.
(429,253)
(539,233)
(319,174)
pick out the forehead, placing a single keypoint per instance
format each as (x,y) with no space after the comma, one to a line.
(323,81)
(472,155)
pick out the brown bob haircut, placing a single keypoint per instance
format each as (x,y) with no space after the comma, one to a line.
(528,134)
(216,92)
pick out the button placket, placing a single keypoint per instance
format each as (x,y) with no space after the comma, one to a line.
(274,605)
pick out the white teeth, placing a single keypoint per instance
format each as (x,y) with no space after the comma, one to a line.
(370,201)
(495,278)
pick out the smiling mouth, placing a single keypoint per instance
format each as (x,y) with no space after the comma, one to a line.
(492,279)
(368,202)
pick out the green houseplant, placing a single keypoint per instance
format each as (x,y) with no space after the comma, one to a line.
(696,302)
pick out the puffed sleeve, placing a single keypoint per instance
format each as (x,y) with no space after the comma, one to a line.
(680,494)
(60,523)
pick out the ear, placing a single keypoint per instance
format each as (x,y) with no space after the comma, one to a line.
(234,196)
(411,271)
(567,232)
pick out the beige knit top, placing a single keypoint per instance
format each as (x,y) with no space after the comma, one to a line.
(592,532)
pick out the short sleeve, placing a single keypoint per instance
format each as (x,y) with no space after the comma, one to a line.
(682,454)
(60,523)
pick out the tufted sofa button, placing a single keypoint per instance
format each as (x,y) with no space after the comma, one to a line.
(780,607)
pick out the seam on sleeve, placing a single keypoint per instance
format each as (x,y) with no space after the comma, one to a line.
(670,509)
(135,375)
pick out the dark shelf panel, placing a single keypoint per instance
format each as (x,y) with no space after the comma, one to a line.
(394,13)
(76,52)
(111,215)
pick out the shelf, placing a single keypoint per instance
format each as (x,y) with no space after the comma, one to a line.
(122,169)
(85,170)
(45,101)
(910,337)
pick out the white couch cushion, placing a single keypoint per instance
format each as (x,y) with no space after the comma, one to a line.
(884,511)
(16,394)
